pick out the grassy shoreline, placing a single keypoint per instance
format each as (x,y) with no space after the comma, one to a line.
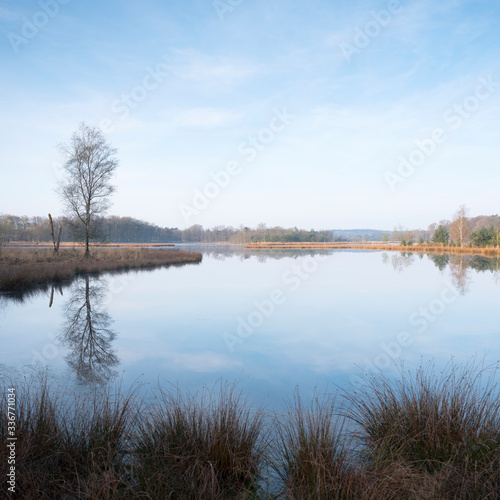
(22,269)
(425,435)
(440,249)
(48,244)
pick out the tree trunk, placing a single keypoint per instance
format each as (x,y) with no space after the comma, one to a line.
(56,247)
(87,250)
(58,238)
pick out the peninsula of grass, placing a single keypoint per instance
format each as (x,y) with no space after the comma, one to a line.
(426,434)
(416,248)
(22,269)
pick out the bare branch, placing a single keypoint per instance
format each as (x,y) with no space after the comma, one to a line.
(90,165)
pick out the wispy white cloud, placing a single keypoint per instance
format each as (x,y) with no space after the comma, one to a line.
(194,65)
(205,118)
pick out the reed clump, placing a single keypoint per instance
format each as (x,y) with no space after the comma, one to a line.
(211,447)
(68,447)
(442,430)
(312,452)
(25,268)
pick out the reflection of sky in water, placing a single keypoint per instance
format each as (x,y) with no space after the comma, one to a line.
(171,323)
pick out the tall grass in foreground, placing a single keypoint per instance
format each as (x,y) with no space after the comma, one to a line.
(201,448)
(69,446)
(425,435)
(440,431)
(312,455)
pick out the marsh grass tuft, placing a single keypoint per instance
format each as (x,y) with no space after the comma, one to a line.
(313,458)
(208,446)
(440,426)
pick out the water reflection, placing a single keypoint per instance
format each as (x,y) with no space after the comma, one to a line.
(460,273)
(223,252)
(53,289)
(352,309)
(440,261)
(87,333)
(460,266)
(400,261)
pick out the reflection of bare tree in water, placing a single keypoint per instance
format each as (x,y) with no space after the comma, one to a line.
(87,334)
(262,257)
(400,261)
(496,275)
(53,288)
(460,272)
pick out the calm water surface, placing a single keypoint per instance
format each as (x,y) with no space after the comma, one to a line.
(272,321)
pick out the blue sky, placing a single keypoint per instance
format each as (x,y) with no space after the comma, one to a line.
(318,114)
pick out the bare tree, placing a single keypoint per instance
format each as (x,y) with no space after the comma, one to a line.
(261,228)
(90,164)
(54,242)
(398,233)
(459,229)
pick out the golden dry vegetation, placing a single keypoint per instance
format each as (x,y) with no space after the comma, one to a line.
(24,268)
(489,251)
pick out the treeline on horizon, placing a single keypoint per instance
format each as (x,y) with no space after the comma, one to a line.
(480,231)
(483,230)
(114,229)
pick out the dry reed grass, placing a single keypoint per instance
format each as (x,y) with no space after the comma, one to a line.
(434,434)
(312,452)
(201,448)
(25,268)
(490,251)
(69,447)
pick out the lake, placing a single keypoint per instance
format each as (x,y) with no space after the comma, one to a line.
(271,320)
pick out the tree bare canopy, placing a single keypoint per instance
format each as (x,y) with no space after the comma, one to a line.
(89,167)
(460,229)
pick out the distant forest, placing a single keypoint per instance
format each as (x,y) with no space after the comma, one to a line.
(128,230)
(115,229)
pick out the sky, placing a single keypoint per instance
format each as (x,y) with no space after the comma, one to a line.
(320,114)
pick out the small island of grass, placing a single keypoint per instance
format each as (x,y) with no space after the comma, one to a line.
(22,269)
